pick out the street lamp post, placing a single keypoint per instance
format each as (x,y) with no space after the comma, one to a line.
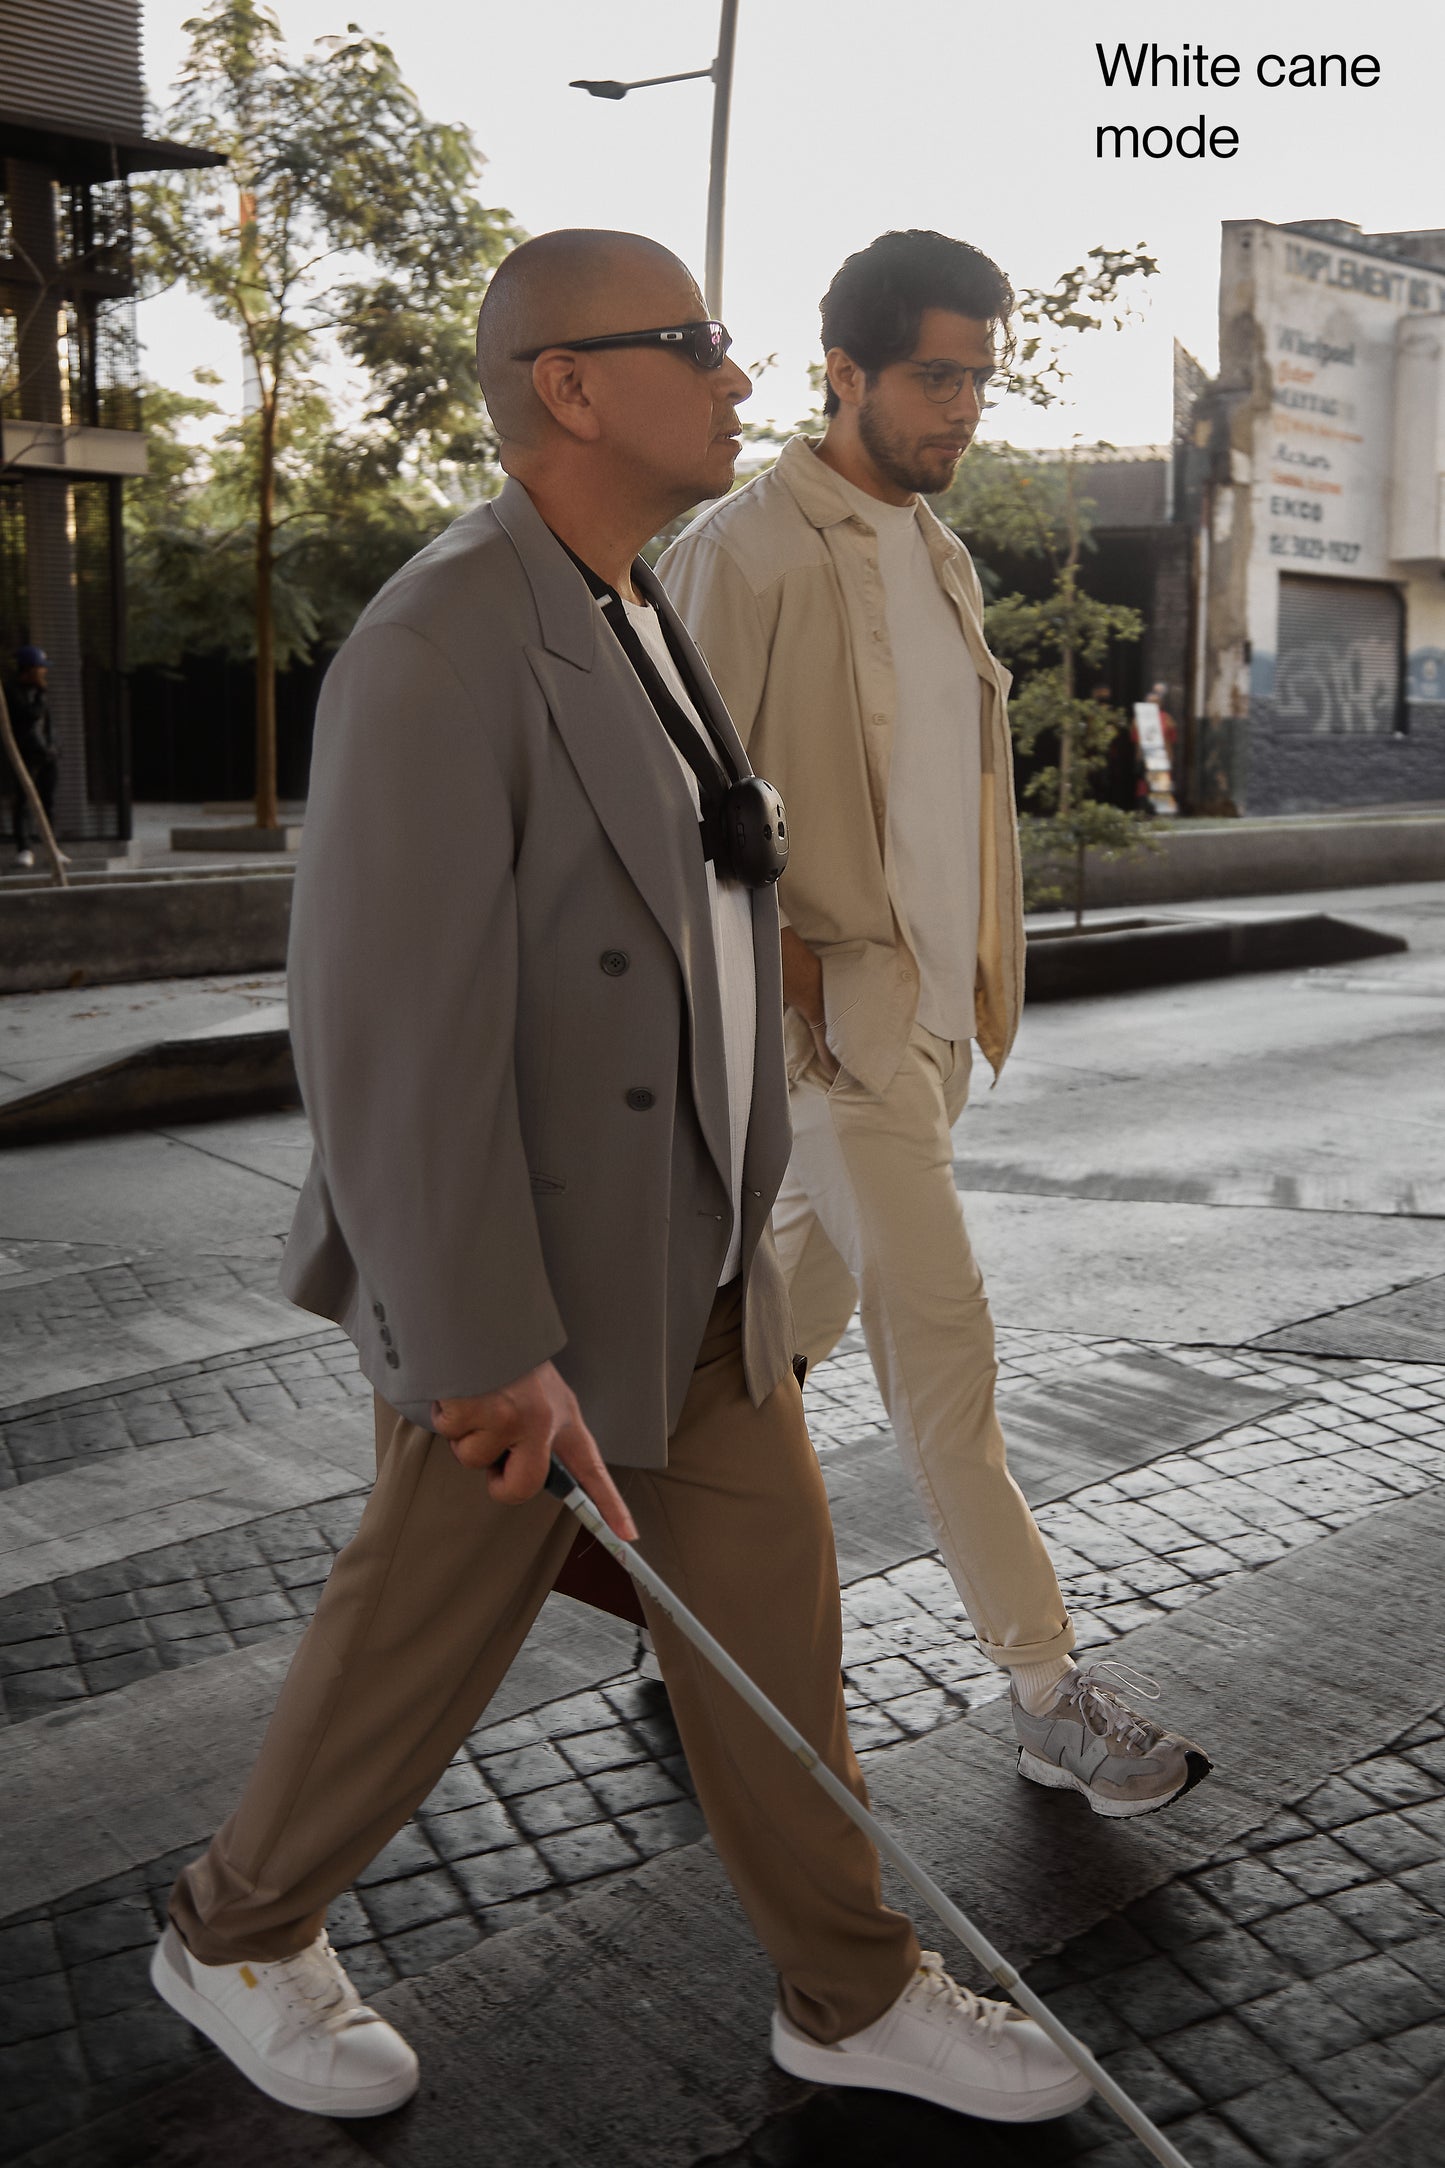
(721,76)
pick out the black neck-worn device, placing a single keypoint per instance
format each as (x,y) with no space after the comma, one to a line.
(744,825)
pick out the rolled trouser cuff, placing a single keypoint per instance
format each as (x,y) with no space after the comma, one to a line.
(1030,1652)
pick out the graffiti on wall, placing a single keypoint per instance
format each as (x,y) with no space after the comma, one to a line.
(1341,685)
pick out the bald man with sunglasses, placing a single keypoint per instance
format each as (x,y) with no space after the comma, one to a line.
(542,1060)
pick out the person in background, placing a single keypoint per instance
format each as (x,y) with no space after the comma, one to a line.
(29,706)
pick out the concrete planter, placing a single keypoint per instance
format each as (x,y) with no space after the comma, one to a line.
(106,932)
(1063,965)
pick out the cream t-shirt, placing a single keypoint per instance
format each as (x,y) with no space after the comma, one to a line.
(934,769)
(732,930)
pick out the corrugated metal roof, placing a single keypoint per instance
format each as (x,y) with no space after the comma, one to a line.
(73,61)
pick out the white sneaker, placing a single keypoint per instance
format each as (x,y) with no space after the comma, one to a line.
(25,858)
(297,2029)
(943,2043)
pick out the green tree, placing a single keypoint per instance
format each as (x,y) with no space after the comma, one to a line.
(1009,504)
(345,518)
(344,221)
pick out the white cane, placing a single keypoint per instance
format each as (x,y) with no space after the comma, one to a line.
(562,1486)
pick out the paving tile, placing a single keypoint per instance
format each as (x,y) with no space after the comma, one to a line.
(1425,1957)
(466,1831)
(528,1768)
(1291,2124)
(420,1948)
(28,1949)
(1179,1912)
(1385,1914)
(1388,1843)
(1220,2058)
(1367,2083)
(1157,1997)
(1382,1994)
(1313,1939)
(492,1877)
(129,2043)
(1423,2046)
(124,1923)
(662,1829)
(1233,1967)
(409,1852)
(415,1901)
(576,1855)
(1337,1802)
(1319,1866)
(1428,1883)
(1301,2024)
(595,1751)
(102,1984)
(29,2009)
(1248,1889)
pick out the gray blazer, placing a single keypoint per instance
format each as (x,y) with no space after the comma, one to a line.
(505,1008)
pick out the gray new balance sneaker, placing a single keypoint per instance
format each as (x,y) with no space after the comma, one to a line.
(1089,1740)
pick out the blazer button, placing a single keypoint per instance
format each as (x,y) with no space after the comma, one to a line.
(393,1360)
(614,962)
(640,1099)
(377,1312)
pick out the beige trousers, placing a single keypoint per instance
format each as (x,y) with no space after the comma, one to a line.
(428,1604)
(869,1213)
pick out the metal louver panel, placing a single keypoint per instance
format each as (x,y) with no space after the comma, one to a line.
(75,61)
(1337,667)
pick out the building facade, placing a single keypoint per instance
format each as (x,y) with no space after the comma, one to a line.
(1311,474)
(71,135)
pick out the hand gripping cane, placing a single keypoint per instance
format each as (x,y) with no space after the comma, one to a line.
(562,1486)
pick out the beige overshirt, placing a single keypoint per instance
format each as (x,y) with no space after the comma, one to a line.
(779,585)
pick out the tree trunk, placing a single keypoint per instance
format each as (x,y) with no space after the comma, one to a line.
(267,810)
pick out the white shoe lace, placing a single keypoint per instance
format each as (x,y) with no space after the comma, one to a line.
(1105,1713)
(936,1991)
(314,1987)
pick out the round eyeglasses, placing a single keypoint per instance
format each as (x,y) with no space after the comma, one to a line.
(942,381)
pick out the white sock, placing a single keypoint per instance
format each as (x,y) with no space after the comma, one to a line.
(1036,1684)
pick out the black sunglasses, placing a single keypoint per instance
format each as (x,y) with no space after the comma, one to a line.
(705,344)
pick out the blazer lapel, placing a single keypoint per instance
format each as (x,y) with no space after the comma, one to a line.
(634,783)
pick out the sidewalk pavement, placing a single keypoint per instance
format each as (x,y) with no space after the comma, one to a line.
(1220,1283)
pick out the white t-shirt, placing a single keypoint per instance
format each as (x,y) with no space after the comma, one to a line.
(732,930)
(934,771)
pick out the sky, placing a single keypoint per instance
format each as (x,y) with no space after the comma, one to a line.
(853,116)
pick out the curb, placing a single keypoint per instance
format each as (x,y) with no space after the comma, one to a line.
(1063,966)
(242,1072)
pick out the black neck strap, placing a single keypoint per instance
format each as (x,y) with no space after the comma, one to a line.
(714,774)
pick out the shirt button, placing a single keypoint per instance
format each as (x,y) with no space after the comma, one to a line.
(640,1099)
(377,1311)
(393,1360)
(614,962)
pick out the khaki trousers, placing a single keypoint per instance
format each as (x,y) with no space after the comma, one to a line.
(869,1213)
(427,1606)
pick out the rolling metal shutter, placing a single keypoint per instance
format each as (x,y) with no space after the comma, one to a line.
(1337,668)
